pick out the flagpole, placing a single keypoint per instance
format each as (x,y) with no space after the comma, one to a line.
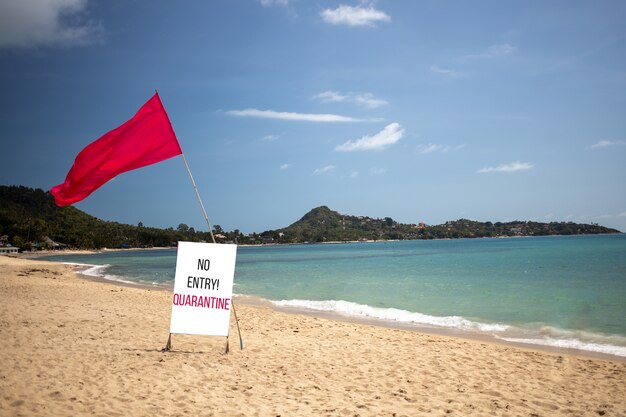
(198,195)
(238,329)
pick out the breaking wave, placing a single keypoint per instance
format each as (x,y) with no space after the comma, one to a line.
(351,309)
(540,335)
(99,271)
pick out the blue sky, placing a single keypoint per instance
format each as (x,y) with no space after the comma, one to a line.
(417,110)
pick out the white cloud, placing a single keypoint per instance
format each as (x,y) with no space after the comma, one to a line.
(270,138)
(446,72)
(378,142)
(378,171)
(362,99)
(512,167)
(285,166)
(428,148)
(494,51)
(58,23)
(324,170)
(354,16)
(622,214)
(453,148)
(500,49)
(368,100)
(303,117)
(352,175)
(607,143)
(433,147)
(269,3)
(330,96)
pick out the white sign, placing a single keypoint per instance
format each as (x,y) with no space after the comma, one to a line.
(203,288)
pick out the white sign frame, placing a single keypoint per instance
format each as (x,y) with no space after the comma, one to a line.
(203,288)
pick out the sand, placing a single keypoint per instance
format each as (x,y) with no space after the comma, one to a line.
(71,346)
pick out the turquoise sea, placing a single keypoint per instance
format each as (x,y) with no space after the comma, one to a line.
(566,292)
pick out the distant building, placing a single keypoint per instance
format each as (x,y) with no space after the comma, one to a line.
(5,250)
(5,246)
(54,245)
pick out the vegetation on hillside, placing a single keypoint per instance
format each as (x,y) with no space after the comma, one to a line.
(31,220)
(325,225)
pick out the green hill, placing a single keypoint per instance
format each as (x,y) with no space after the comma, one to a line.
(323,224)
(31,219)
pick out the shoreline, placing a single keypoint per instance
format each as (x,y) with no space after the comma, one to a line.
(79,347)
(255,301)
(427,329)
(62,252)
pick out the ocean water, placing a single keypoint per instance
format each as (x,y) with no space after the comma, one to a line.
(565,292)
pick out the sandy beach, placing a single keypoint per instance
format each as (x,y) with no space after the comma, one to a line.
(72,346)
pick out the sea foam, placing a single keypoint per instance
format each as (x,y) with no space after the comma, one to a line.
(571,344)
(391,314)
(99,271)
(543,335)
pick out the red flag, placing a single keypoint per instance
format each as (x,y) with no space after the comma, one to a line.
(145,139)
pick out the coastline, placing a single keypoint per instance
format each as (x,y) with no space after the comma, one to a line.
(41,253)
(442,331)
(457,327)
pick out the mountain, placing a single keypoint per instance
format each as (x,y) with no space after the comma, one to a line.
(325,225)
